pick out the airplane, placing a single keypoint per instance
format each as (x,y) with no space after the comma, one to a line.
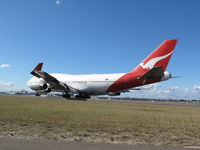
(150,70)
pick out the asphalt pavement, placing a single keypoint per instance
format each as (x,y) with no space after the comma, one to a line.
(9,143)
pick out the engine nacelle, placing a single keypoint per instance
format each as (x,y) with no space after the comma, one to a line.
(167,76)
(38,87)
(113,93)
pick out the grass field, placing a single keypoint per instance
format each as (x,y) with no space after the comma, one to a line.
(99,121)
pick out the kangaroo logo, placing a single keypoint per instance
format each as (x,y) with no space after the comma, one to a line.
(150,64)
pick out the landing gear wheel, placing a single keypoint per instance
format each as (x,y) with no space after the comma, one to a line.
(37,94)
(84,96)
(66,96)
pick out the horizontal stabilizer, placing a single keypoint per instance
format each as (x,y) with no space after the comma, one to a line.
(156,72)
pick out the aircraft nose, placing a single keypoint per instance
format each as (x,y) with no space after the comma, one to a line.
(29,82)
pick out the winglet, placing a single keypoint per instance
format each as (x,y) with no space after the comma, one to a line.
(39,67)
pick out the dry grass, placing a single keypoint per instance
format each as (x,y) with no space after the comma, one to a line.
(99,121)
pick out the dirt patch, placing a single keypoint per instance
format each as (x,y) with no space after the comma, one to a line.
(53,133)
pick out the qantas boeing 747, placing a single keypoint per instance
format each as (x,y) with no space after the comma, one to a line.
(151,70)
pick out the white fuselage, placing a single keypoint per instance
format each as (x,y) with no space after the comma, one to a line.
(150,70)
(93,84)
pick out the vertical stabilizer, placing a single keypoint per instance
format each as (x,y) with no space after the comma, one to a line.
(159,57)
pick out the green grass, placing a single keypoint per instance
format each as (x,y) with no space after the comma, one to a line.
(113,121)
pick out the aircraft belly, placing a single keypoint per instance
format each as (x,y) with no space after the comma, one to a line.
(98,87)
(82,87)
(90,87)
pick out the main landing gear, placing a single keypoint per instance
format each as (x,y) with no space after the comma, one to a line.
(37,94)
(79,96)
(66,95)
(84,96)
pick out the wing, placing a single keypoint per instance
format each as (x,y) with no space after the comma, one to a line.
(52,81)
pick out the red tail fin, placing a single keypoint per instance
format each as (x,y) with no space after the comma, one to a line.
(159,57)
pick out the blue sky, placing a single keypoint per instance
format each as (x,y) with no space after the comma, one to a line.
(97,36)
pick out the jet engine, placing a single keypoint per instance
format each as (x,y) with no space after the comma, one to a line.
(167,76)
(48,90)
(38,87)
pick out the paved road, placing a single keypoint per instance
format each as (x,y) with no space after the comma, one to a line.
(8,143)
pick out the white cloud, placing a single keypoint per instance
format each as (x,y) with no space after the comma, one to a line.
(8,86)
(58,2)
(164,92)
(5,66)
(196,87)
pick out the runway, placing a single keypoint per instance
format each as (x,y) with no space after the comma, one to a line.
(153,102)
(8,143)
(136,101)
